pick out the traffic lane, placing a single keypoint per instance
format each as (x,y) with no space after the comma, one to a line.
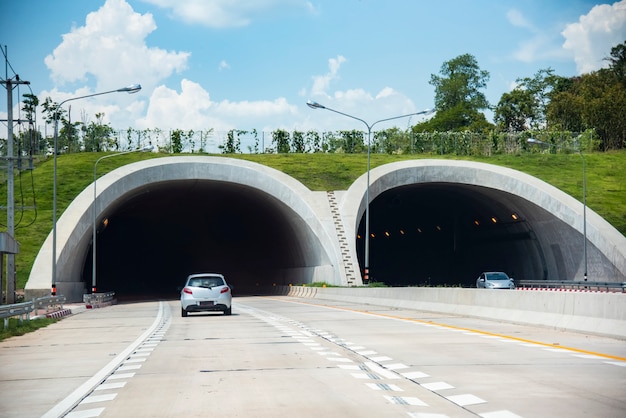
(247,364)
(463,356)
(40,369)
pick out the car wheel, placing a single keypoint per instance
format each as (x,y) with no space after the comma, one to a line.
(228,311)
(183,312)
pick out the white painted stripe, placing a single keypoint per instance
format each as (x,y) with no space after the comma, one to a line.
(356,347)
(426,415)
(145,349)
(380,358)
(328,353)
(98,398)
(108,386)
(366,353)
(415,375)
(384,386)
(616,363)
(361,375)
(381,371)
(464,400)
(395,366)
(588,356)
(66,404)
(349,367)
(135,360)
(406,400)
(435,386)
(87,413)
(120,376)
(556,350)
(129,367)
(499,414)
(340,359)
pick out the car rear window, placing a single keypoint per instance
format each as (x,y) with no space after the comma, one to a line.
(206,282)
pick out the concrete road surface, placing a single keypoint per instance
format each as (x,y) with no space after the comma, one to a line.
(286,357)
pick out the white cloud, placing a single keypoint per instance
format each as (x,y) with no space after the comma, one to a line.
(226,13)
(321,83)
(223,65)
(516,18)
(111,48)
(592,37)
(192,108)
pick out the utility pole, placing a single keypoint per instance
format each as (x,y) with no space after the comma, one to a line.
(10,84)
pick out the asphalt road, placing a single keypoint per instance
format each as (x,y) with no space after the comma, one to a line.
(286,357)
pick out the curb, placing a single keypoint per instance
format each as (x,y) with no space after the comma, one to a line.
(59,314)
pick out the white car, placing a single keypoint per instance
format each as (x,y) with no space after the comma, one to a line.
(495,280)
(206,292)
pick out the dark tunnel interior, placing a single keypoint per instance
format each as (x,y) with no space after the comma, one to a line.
(439,234)
(422,234)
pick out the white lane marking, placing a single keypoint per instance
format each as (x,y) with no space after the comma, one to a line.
(499,414)
(426,415)
(340,359)
(75,397)
(125,368)
(135,360)
(415,375)
(349,367)
(87,413)
(366,353)
(395,366)
(588,356)
(379,358)
(464,400)
(108,386)
(405,400)
(98,398)
(120,376)
(436,386)
(365,376)
(381,371)
(383,386)
(616,363)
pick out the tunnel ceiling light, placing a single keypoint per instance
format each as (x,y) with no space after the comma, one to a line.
(419,230)
(438,228)
(514,216)
(476,222)
(402,232)
(387,234)
(494,220)
(373,235)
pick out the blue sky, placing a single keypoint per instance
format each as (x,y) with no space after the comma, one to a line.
(243,64)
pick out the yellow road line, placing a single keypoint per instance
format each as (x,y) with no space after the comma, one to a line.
(476,331)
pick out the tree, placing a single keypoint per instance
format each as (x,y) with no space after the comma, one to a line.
(97,135)
(458,95)
(617,62)
(541,87)
(514,110)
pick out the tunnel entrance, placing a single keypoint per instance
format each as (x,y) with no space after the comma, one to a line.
(150,242)
(446,234)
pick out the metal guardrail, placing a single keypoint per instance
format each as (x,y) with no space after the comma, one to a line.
(96,300)
(24,309)
(572,284)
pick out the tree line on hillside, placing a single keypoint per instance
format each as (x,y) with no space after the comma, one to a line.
(586,112)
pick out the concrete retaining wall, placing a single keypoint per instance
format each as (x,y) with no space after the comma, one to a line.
(587,312)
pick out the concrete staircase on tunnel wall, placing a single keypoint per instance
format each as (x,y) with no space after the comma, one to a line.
(346,259)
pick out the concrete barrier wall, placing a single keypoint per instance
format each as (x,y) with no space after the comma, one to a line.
(587,312)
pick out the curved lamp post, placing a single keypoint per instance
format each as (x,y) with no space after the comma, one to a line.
(580,152)
(315,105)
(134,88)
(95,177)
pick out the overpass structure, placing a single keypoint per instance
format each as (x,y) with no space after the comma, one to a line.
(434,222)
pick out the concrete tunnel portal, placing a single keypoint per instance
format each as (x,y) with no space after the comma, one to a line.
(432,222)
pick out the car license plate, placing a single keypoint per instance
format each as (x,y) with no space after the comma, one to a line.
(207,303)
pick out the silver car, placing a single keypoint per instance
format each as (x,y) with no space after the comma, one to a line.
(206,292)
(495,280)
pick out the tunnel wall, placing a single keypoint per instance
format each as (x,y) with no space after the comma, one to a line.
(559,223)
(74,227)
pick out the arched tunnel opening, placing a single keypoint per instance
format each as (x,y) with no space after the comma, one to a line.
(446,234)
(437,234)
(149,243)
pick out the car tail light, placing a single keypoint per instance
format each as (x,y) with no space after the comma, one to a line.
(188,291)
(225,289)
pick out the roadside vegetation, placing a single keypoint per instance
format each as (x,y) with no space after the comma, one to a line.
(16,329)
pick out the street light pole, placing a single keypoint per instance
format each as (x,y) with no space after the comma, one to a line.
(366,258)
(580,152)
(95,178)
(134,88)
